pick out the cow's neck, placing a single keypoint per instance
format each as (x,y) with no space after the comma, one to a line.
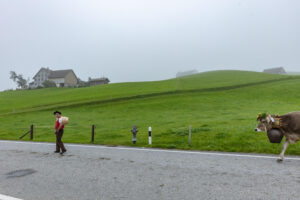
(277,123)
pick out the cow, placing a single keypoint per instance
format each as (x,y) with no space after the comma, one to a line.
(288,124)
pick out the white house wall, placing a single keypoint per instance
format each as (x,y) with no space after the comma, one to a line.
(57,81)
(40,78)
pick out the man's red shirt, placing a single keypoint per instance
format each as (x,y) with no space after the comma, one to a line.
(57,123)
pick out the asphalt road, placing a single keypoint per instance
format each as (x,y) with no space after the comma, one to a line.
(98,172)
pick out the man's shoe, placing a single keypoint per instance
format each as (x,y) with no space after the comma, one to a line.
(56,151)
(63,152)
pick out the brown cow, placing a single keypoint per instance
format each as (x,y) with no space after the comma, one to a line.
(288,124)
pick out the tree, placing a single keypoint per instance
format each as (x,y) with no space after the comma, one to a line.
(49,84)
(21,82)
(13,76)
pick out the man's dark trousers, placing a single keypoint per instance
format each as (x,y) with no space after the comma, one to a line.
(59,143)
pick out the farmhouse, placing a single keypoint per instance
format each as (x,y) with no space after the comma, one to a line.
(62,78)
(98,81)
(278,70)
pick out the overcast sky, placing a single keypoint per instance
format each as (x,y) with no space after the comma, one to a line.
(142,40)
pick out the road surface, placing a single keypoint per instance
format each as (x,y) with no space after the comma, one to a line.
(31,171)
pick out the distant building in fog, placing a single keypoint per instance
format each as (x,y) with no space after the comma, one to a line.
(278,70)
(186,73)
(98,81)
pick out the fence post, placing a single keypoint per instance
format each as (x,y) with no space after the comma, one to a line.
(150,135)
(31,132)
(93,133)
(190,135)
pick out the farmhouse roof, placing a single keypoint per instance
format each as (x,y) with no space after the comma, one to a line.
(43,68)
(60,73)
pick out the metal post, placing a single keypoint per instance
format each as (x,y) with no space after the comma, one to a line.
(93,133)
(150,135)
(31,132)
(190,135)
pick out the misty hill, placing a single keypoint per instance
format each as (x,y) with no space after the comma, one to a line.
(15,101)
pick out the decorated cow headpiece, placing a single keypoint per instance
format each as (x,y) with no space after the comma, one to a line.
(261,116)
(273,119)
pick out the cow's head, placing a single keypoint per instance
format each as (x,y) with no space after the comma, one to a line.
(265,122)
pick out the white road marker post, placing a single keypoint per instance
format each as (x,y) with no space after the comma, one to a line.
(190,135)
(150,135)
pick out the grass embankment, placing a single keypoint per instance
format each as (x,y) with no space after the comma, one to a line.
(221,107)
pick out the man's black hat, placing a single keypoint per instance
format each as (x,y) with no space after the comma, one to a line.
(57,112)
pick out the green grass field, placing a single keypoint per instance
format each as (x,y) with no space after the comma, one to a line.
(221,107)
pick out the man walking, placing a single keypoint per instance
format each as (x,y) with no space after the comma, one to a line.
(59,131)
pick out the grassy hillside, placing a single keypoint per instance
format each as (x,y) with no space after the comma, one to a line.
(221,106)
(293,73)
(16,101)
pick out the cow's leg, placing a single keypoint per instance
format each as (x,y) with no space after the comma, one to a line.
(284,147)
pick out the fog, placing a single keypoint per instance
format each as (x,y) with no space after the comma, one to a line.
(136,40)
